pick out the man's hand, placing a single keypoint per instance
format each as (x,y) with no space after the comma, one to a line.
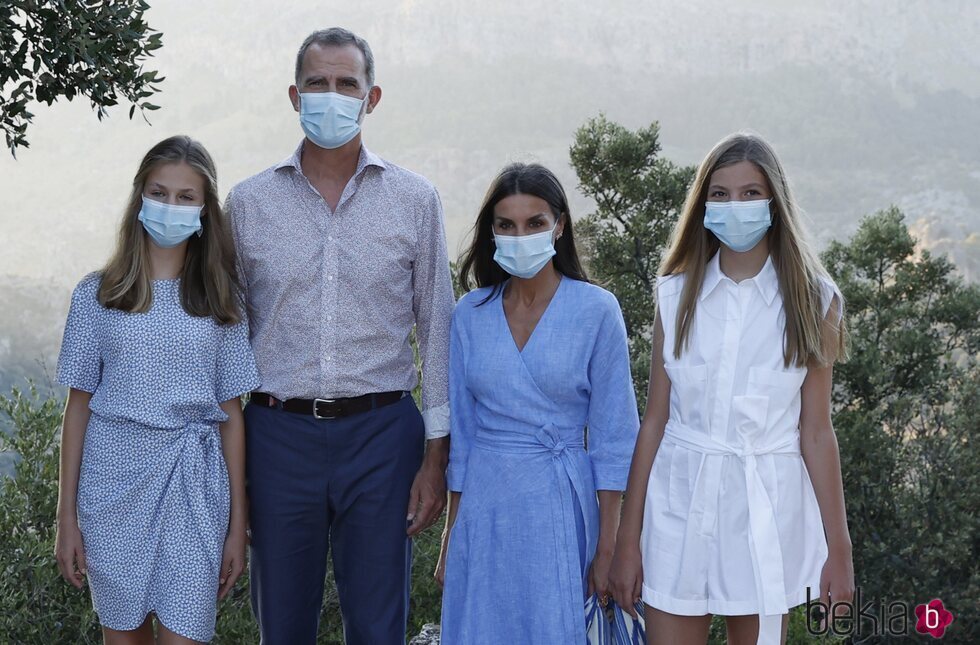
(428,497)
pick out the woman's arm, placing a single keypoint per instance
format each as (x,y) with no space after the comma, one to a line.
(69,550)
(818,444)
(626,573)
(609,503)
(233,448)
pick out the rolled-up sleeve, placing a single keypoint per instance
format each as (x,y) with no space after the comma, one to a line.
(462,407)
(433,303)
(613,421)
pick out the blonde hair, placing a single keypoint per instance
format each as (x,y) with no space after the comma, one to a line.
(798,268)
(209,282)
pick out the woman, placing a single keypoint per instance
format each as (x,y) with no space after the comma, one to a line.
(151,505)
(544,419)
(743,511)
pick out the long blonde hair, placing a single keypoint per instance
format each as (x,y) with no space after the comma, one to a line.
(209,282)
(798,268)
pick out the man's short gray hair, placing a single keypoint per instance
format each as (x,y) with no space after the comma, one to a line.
(337,37)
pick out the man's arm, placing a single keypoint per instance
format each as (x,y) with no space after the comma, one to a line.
(433,303)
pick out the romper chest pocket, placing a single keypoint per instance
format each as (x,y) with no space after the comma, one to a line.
(780,387)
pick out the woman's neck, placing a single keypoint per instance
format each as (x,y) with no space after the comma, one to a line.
(166,264)
(740,266)
(530,290)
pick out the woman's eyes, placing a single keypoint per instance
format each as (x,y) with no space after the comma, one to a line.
(752,191)
(718,193)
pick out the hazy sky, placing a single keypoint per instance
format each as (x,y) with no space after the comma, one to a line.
(469,86)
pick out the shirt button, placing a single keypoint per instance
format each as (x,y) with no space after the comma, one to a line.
(328,358)
(330,238)
(329,277)
(329,317)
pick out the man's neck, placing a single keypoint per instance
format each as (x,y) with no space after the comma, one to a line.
(334,166)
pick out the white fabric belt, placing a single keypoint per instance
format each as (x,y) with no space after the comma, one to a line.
(767,556)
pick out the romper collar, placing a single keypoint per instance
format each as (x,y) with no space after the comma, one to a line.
(765,281)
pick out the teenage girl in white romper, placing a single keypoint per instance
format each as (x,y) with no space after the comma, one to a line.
(735,504)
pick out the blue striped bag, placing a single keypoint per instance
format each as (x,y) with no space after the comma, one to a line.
(627,630)
(597,629)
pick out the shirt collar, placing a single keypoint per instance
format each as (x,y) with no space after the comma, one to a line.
(765,281)
(364,159)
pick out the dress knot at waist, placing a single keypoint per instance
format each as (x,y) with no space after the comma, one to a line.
(547,438)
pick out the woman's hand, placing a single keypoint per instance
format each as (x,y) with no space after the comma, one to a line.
(837,580)
(232,561)
(70,553)
(599,574)
(626,576)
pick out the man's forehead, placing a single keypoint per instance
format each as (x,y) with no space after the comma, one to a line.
(333,59)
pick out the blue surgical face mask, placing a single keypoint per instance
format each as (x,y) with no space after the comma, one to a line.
(738,225)
(330,119)
(169,224)
(524,255)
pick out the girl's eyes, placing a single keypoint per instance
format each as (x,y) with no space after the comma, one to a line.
(718,193)
(751,191)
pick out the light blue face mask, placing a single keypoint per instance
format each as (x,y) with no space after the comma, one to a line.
(330,119)
(169,224)
(524,255)
(738,225)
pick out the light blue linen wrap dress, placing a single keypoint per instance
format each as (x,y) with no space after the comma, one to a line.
(153,490)
(528,521)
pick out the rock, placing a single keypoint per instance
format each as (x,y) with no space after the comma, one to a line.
(428,636)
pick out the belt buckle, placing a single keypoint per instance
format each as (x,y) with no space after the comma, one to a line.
(316,409)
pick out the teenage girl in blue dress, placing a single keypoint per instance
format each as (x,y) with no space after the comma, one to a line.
(151,507)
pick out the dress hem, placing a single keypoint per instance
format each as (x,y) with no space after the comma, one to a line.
(154,612)
(700,607)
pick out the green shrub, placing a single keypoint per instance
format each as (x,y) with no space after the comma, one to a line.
(38,607)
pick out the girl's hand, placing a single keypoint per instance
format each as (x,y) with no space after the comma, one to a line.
(626,576)
(232,561)
(836,581)
(70,553)
(440,572)
(599,574)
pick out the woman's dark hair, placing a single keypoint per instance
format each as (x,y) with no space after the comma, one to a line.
(478,266)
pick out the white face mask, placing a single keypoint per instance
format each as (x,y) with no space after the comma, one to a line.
(169,224)
(738,225)
(524,255)
(330,119)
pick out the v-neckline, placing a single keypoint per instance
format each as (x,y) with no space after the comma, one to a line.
(510,333)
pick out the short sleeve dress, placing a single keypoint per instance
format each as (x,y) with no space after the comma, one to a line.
(153,492)
(731,523)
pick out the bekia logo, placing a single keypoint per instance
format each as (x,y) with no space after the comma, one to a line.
(884,618)
(932,618)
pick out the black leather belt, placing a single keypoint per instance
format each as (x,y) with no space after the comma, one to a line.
(328,408)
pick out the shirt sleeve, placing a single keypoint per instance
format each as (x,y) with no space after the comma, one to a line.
(80,358)
(236,371)
(829,289)
(613,421)
(232,214)
(462,415)
(433,302)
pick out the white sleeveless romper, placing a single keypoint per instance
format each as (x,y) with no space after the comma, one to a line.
(731,523)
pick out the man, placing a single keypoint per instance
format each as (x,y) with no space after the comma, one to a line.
(341,253)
